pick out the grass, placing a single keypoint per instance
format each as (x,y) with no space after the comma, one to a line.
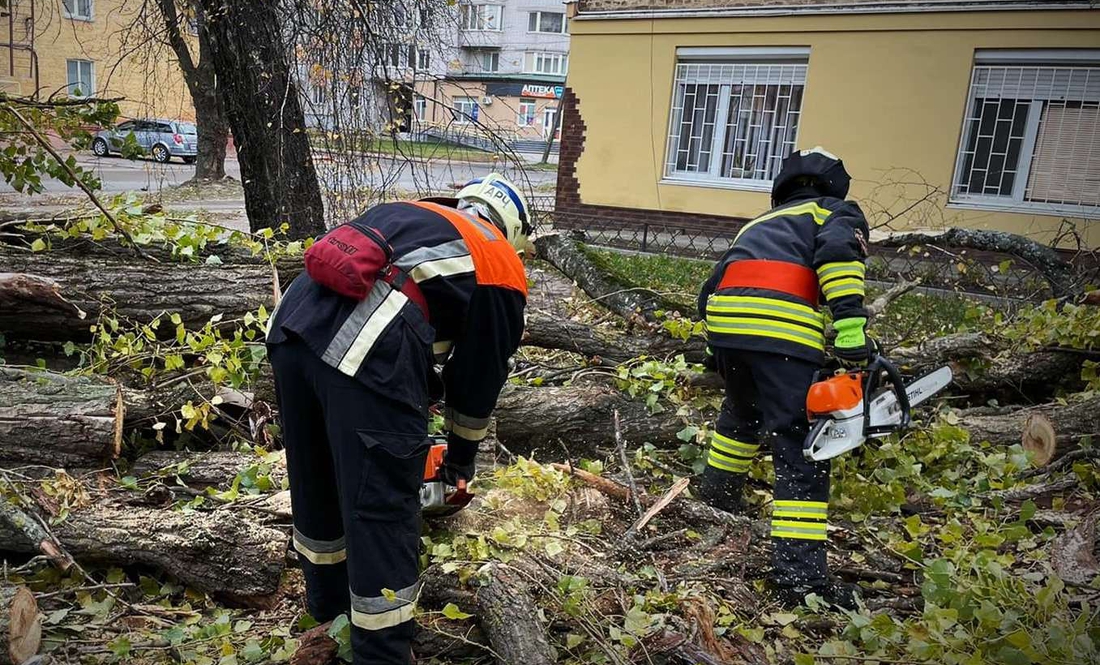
(908,319)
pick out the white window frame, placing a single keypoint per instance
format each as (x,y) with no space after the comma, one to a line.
(792,62)
(420,108)
(463,107)
(90,16)
(480,17)
(423,59)
(1067,59)
(549,120)
(534,62)
(69,87)
(528,108)
(537,15)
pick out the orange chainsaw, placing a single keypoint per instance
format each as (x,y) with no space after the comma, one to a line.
(437,497)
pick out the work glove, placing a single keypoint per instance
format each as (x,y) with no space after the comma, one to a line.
(460,460)
(853,347)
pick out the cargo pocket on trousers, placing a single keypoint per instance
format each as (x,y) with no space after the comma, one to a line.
(393,472)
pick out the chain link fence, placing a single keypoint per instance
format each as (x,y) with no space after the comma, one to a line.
(988,274)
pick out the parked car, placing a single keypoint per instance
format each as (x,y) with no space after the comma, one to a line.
(163,139)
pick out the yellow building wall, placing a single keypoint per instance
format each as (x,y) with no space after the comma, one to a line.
(126,63)
(886,92)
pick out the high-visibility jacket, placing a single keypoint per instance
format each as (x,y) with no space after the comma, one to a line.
(765,292)
(475,287)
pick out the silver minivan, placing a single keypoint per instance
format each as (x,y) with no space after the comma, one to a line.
(163,139)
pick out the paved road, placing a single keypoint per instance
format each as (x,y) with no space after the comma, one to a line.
(121,175)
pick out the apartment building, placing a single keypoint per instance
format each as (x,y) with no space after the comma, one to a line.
(79,48)
(506,71)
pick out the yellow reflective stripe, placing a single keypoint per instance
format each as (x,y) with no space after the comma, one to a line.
(389,619)
(793,503)
(756,332)
(733,447)
(800,535)
(718,462)
(808,526)
(807,334)
(816,321)
(846,286)
(730,459)
(799,515)
(723,300)
(831,269)
(846,292)
(821,215)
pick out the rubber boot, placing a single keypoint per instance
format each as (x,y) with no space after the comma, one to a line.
(720,489)
(833,592)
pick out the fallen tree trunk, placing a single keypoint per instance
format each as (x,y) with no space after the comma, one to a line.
(1069,422)
(137,289)
(200,470)
(578,418)
(510,619)
(58,420)
(19,290)
(549,332)
(20,625)
(217,552)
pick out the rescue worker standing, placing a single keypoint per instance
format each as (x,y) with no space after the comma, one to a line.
(766,333)
(352,374)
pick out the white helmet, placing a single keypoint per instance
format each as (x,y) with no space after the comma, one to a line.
(499,200)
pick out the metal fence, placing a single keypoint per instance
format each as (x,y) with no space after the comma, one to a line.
(992,274)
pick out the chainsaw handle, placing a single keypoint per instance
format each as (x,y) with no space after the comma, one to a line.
(874,377)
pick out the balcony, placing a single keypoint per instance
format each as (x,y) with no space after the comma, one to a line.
(480,38)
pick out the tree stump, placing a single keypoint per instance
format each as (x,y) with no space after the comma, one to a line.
(20,625)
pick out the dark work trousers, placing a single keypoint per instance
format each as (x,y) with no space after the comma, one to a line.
(355,459)
(765,403)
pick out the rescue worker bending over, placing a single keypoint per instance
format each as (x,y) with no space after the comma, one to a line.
(352,374)
(766,333)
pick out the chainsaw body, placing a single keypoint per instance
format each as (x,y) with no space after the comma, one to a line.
(437,497)
(848,408)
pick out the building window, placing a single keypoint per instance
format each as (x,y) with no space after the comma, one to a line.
(546,63)
(1031,136)
(78,9)
(423,59)
(465,110)
(487,61)
(317,94)
(481,17)
(420,107)
(81,78)
(552,22)
(734,114)
(526,116)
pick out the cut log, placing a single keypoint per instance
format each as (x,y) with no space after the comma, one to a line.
(510,619)
(20,625)
(138,290)
(58,420)
(18,290)
(217,552)
(199,470)
(578,418)
(1055,428)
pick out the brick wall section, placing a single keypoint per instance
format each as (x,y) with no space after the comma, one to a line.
(571,212)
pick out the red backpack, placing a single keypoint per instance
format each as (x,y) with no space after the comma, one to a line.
(350,258)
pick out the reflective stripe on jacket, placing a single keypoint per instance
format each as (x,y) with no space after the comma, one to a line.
(764,293)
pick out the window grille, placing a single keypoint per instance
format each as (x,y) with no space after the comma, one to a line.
(734,122)
(1031,139)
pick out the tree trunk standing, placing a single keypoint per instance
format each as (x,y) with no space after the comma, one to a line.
(201,82)
(261,101)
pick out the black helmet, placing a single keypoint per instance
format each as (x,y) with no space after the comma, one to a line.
(815,168)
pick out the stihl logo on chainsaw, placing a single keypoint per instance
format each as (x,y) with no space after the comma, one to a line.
(847,409)
(437,498)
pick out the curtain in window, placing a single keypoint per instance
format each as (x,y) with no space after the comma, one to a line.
(1065,167)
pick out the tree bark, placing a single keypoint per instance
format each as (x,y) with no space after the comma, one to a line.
(20,625)
(58,420)
(1070,421)
(201,81)
(137,290)
(510,619)
(552,332)
(200,470)
(19,290)
(260,97)
(216,552)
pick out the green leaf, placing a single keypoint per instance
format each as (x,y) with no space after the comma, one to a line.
(451,611)
(39,245)
(804,659)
